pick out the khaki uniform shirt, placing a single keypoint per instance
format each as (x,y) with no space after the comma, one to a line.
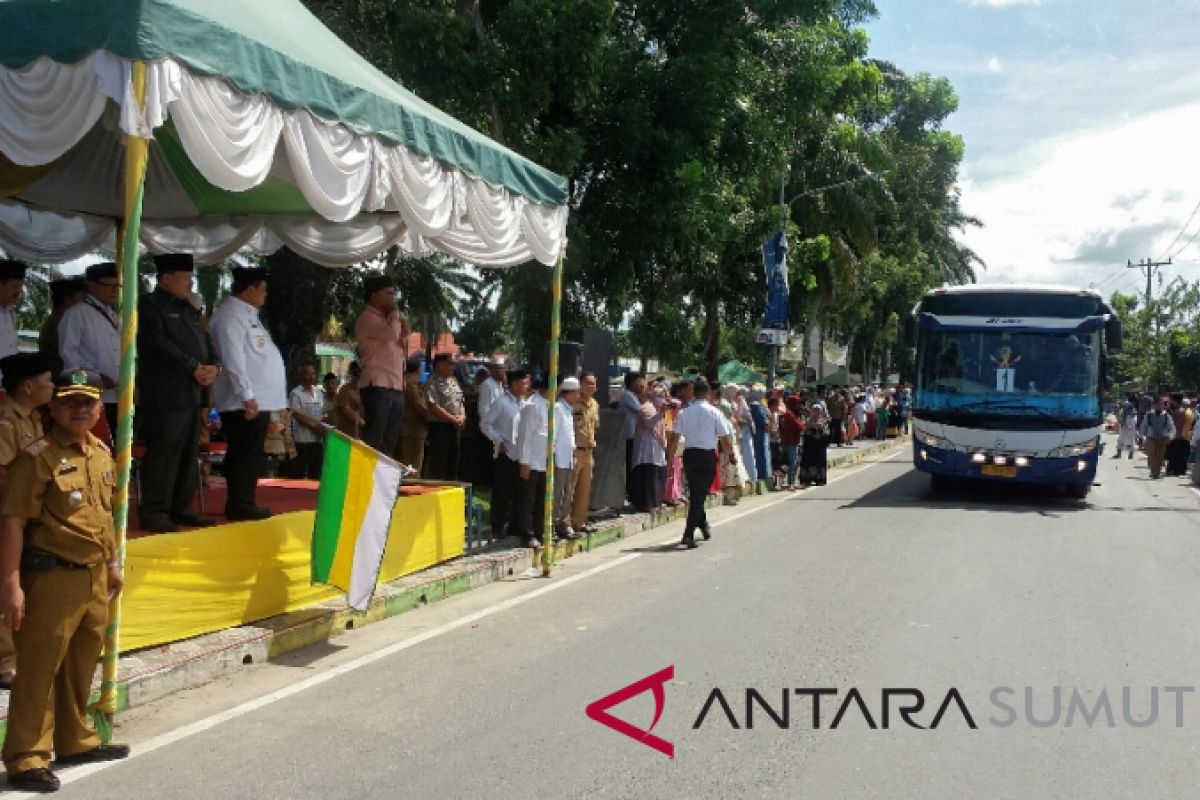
(19,428)
(586,415)
(416,416)
(65,491)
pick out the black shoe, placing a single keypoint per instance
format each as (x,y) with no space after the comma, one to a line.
(190,520)
(39,779)
(534,543)
(706,532)
(157,523)
(248,513)
(104,752)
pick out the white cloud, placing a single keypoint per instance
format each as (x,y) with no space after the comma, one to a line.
(1075,208)
(995,65)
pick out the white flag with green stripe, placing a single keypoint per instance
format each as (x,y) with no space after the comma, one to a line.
(359,487)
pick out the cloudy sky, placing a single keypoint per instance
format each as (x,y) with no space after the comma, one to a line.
(1082,127)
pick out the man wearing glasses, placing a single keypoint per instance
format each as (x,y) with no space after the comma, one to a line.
(89,336)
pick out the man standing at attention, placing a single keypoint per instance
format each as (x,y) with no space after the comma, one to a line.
(500,427)
(586,419)
(447,417)
(176,365)
(631,405)
(59,568)
(89,336)
(702,427)
(381,333)
(564,458)
(64,294)
(28,384)
(253,384)
(12,283)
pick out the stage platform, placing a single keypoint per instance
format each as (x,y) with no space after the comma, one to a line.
(202,580)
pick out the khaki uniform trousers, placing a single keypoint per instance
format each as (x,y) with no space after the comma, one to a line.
(581,487)
(58,646)
(1156,454)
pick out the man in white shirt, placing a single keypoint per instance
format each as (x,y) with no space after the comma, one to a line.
(12,283)
(564,457)
(703,428)
(307,403)
(89,336)
(500,427)
(631,403)
(252,385)
(531,460)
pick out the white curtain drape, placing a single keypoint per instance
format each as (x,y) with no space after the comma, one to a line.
(384,194)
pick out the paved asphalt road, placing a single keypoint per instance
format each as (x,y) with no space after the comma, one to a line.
(866,584)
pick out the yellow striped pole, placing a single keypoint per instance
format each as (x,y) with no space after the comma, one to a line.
(552,394)
(137,152)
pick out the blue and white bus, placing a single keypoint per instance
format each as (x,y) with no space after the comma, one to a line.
(1010,383)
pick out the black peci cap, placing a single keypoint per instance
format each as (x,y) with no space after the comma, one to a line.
(63,288)
(21,367)
(106,269)
(374,283)
(174,262)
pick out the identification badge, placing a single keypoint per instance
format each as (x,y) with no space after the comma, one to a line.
(66,469)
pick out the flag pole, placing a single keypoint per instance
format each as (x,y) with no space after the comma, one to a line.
(552,394)
(137,152)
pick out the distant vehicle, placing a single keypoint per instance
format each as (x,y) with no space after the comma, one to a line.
(1010,382)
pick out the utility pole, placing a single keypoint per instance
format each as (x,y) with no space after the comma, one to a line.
(1148,266)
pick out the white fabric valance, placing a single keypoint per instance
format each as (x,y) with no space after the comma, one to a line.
(385,194)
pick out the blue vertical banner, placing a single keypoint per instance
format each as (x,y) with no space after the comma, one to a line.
(775,263)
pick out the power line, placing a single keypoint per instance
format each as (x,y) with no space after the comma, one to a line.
(1185,244)
(1167,253)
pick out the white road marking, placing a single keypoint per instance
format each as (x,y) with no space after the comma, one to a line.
(75,774)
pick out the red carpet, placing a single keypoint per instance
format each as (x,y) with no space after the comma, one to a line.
(279,495)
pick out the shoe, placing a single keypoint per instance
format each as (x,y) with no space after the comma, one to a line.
(690,542)
(157,523)
(252,513)
(104,752)
(39,779)
(591,527)
(574,534)
(706,533)
(190,520)
(534,543)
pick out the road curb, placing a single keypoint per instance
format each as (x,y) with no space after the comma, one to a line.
(152,674)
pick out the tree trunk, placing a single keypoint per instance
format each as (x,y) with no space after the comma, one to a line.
(296,309)
(712,337)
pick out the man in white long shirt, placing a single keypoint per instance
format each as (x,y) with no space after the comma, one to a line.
(12,283)
(252,385)
(703,428)
(89,336)
(631,403)
(531,446)
(499,425)
(564,457)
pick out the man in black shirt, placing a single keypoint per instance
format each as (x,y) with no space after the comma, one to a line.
(177,363)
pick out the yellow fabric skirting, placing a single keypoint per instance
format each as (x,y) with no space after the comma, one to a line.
(186,584)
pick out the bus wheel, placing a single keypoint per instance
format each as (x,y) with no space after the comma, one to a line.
(939,483)
(1079,490)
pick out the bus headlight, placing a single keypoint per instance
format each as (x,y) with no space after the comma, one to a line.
(931,441)
(1067,451)
(978,458)
(1021,461)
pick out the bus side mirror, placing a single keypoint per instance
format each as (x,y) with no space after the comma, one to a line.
(1112,334)
(910,331)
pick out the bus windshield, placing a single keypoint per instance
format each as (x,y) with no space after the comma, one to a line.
(1013,374)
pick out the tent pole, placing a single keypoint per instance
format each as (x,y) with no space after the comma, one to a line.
(552,394)
(137,152)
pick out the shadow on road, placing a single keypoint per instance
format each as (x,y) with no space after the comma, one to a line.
(912,490)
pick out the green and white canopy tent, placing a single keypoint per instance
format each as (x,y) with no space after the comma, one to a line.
(213,126)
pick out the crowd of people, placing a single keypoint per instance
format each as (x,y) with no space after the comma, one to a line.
(1165,427)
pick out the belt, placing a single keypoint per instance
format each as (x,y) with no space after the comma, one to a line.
(44,562)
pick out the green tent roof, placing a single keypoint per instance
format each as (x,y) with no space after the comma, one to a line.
(278,48)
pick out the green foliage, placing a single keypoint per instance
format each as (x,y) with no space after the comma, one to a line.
(678,129)
(1161,347)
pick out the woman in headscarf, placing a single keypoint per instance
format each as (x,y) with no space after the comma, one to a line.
(673,491)
(813,462)
(745,437)
(758,413)
(732,475)
(1180,448)
(649,452)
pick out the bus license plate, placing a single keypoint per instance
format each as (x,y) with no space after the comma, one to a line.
(993,471)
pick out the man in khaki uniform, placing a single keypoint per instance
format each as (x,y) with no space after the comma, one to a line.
(58,571)
(587,420)
(28,384)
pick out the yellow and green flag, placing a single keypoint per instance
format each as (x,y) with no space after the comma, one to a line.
(359,487)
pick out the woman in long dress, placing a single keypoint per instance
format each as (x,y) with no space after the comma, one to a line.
(673,491)
(1180,447)
(814,461)
(745,420)
(1128,427)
